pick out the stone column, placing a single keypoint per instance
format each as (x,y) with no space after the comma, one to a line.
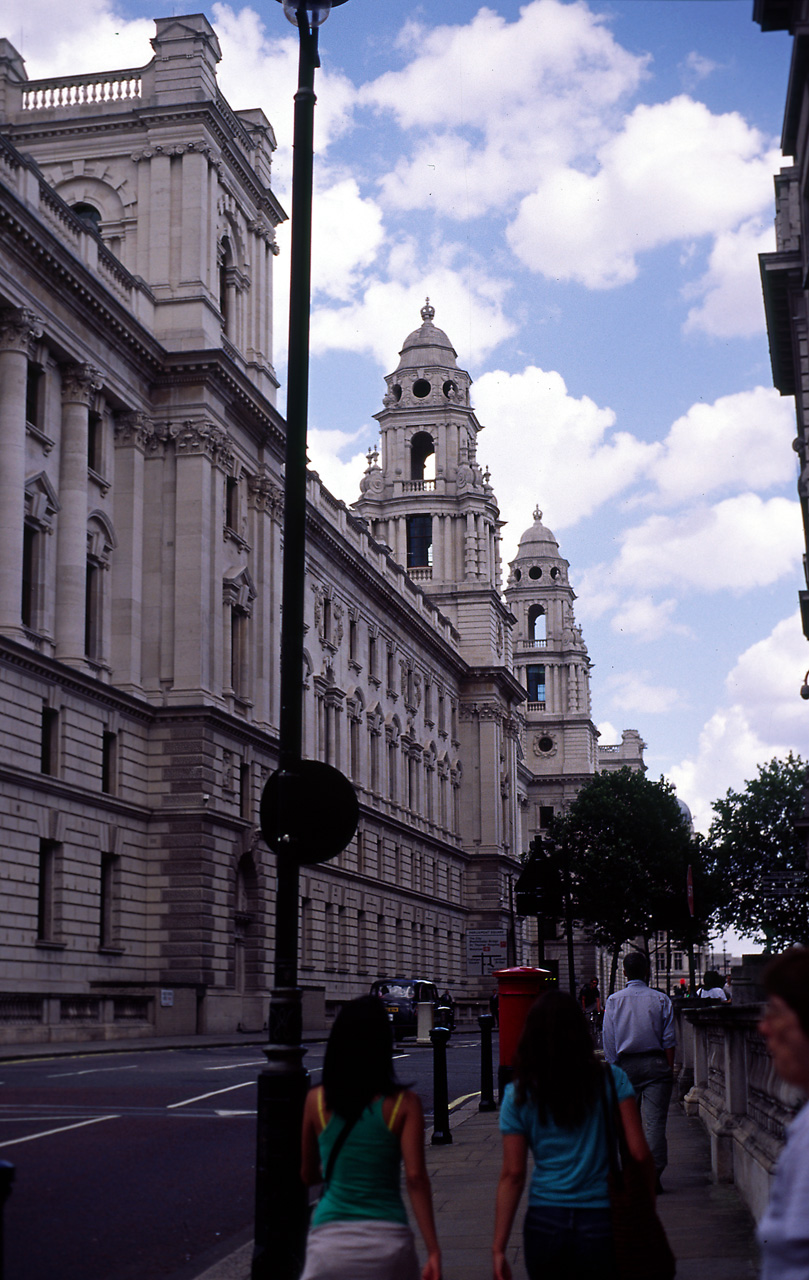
(80,382)
(18,326)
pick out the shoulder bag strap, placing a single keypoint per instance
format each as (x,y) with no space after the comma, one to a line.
(339,1143)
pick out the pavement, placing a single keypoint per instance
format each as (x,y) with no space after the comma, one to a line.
(709,1227)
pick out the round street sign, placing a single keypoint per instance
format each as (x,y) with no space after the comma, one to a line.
(308,813)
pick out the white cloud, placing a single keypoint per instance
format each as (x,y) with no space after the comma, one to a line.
(675,171)
(609,734)
(736,545)
(739,441)
(340,477)
(645,619)
(470,307)
(638,691)
(543,445)
(97,36)
(763,717)
(730,289)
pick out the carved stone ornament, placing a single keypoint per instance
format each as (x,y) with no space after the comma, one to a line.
(265,495)
(80,383)
(19,327)
(206,438)
(133,429)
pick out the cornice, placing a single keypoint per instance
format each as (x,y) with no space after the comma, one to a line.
(97,803)
(62,272)
(214,368)
(21,658)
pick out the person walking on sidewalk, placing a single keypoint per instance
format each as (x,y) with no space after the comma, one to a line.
(359,1126)
(638,1035)
(783,1232)
(554,1106)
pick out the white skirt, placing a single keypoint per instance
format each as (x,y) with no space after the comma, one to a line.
(365,1249)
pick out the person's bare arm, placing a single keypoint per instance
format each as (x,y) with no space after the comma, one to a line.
(310,1153)
(509,1190)
(636,1140)
(411,1137)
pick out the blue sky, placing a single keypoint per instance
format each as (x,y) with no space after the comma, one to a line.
(582,190)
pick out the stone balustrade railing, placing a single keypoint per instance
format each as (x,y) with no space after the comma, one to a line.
(75,91)
(728,1082)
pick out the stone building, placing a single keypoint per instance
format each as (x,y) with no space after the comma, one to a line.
(141,458)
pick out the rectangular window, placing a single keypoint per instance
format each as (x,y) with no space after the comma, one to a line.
(95,442)
(106,905)
(353,628)
(232,503)
(92,612)
(419,541)
(362,943)
(29,560)
(535,682)
(372,659)
(245,791)
(49,759)
(34,394)
(109,763)
(46,890)
(545,816)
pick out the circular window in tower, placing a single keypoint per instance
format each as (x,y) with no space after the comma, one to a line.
(450,390)
(554,573)
(545,744)
(535,572)
(517,575)
(421,388)
(396,391)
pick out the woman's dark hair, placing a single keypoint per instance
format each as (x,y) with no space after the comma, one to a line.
(359,1057)
(787,976)
(556,1066)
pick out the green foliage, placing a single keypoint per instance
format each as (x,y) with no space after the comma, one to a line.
(762,858)
(628,848)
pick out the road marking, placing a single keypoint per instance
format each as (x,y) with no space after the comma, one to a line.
(202,1096)
(227,1114)
(32,1137)
(91,1071)
(235,1066)
(465,1098)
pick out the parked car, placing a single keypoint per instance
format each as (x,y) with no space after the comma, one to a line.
(401,996)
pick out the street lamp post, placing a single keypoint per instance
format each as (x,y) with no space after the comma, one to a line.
(281,1199)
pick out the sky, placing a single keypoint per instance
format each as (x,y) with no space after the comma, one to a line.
(582,189)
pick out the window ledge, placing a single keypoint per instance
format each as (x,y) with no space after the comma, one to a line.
(45,944)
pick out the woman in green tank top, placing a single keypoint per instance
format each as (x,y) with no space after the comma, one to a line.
(359,1127)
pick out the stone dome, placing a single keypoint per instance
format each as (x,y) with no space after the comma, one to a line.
(538,540)
(427,346)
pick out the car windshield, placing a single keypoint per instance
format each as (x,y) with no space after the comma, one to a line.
(397,990)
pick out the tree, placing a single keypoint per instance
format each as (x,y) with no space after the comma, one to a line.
(755,846)
(628,848)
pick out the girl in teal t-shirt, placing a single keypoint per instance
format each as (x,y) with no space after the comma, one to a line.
(359,1127)
(554,1106)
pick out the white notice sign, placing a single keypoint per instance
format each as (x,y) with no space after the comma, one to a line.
(486,950)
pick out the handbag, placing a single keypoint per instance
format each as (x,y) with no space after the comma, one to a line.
(642,1250)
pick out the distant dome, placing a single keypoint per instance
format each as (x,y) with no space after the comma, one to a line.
(427,346)
(538,540)
(686,812)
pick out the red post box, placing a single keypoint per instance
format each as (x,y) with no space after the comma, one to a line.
(517,989)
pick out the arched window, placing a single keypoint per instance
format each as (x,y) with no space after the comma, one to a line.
(537,623)
(422,456)
(89,215)
(225,263)
(100,545)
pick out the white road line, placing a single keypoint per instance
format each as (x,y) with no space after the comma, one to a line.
(91,1071)
(32,1137)
(233,1066)
(202,1096)
(226,1114)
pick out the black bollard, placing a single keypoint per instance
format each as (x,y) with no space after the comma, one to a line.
(6,1179)
(487,1102)
(441,1133)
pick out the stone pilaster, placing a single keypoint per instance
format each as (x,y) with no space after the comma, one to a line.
(80,382)
(18,328)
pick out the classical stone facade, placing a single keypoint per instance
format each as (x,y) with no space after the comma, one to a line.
(140,583)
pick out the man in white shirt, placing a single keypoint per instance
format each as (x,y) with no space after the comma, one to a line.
(639,1036)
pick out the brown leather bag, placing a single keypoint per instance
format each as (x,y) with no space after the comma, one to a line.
(642,1250)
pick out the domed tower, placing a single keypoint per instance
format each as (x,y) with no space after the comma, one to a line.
(551,662)
(425,496)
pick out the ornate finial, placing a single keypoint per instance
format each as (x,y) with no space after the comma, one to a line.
(372,457)
(537,513)
(427,312)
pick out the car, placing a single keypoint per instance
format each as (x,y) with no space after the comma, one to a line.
(401,997)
